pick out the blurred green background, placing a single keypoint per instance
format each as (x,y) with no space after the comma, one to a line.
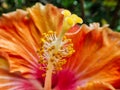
(103,11)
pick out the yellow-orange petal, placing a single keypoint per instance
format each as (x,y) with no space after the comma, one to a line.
(97,54)
(46,17)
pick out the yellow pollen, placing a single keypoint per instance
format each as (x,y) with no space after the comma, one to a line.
(54,53)
(43,40)
(50,32)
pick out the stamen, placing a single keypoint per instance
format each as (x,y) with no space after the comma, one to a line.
(50,51)
(52,55)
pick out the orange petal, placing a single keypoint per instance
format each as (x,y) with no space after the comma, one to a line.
(20,34)
(19,41)
(46,17)
(10,81)
(4,64)
(96,85)
(97,54)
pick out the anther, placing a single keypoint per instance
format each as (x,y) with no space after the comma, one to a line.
(53,52)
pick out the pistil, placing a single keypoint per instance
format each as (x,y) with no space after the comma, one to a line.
(48,78)
(55,48)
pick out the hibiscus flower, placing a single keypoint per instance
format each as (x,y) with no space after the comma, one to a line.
(43,48)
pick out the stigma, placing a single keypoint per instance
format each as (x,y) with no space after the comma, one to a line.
(70,20)
(54,50)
